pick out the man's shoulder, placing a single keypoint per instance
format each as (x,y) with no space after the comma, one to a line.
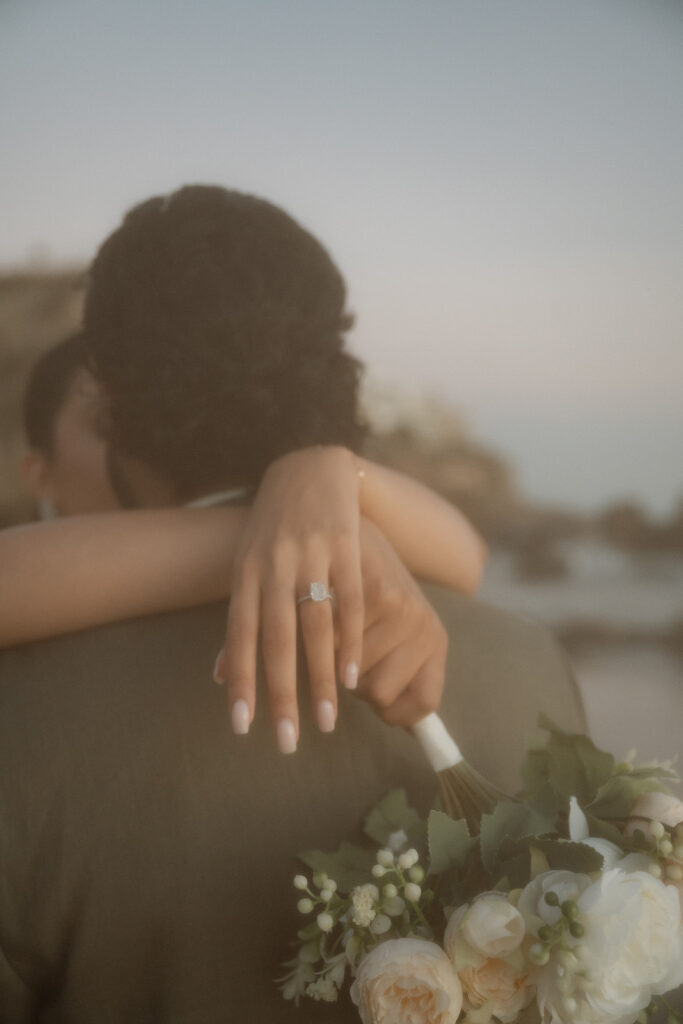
(157,639)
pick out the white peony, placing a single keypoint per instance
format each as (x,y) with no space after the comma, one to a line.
(631,949)
(407,980)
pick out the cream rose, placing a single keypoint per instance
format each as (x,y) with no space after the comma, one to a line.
(654,807)
(506,989)
(491,926)
(407,980)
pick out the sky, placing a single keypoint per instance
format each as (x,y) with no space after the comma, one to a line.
(500,181)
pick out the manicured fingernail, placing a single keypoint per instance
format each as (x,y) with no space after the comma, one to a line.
(326,716)
(240,718)
(286,736)
(351,676)
(218,676)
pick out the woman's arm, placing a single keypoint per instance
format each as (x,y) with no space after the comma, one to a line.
(433,538)
(83,571)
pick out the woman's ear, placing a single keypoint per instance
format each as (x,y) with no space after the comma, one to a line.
(35,472)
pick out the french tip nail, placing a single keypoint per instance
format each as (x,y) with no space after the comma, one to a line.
(218,676)
(326,716)
(286,736)
(351,676)
(240,717)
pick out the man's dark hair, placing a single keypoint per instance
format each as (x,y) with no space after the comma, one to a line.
(46,389)
(216,325)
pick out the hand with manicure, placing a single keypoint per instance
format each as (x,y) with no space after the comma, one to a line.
(303,530)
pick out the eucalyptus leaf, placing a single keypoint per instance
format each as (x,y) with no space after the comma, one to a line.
(349,866)
(449,842)
(392,814)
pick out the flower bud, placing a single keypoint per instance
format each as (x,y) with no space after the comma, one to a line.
(390,890)
(674,872)
(552,899)
(385,858)
(416,874)
(412,892)
(655,870)
(576,929)
(305,906)
(408,859)
(319,879)
(657,829)
(567,959)
(326,894)
(325,922)
(665,847)
(570,1004)
(380,924)
(393,906)
(539,954)
(300,882)
(678,851)
(378,870)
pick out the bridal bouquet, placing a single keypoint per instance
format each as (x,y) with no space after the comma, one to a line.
(562,907)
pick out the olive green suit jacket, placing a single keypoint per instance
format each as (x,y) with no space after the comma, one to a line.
(147,854)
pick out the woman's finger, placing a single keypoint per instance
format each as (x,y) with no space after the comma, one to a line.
(349,614)
(393,674)
(379,641)
(317,628)
(278,632)
(236,663)
(420,698)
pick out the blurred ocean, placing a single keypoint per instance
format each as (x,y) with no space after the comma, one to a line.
(632,686)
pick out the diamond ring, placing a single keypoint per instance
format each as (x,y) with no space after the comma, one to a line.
(317,592)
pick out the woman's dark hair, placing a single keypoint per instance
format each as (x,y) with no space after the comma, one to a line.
(216,325)
(47,387)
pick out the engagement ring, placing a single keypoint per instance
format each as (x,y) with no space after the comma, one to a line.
(318,592)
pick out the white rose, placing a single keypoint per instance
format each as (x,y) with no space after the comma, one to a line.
(407,980)
(654,807)
(631,949)
(491,926)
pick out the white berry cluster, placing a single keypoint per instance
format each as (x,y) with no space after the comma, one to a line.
(343,928)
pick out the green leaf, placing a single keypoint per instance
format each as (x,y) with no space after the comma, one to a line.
(509,820)
(349,866)
(449,842)
(564,855)
(599,829)
(392,814)
(570,763)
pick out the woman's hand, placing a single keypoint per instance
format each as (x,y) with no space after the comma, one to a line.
(303,529)
(403,668)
